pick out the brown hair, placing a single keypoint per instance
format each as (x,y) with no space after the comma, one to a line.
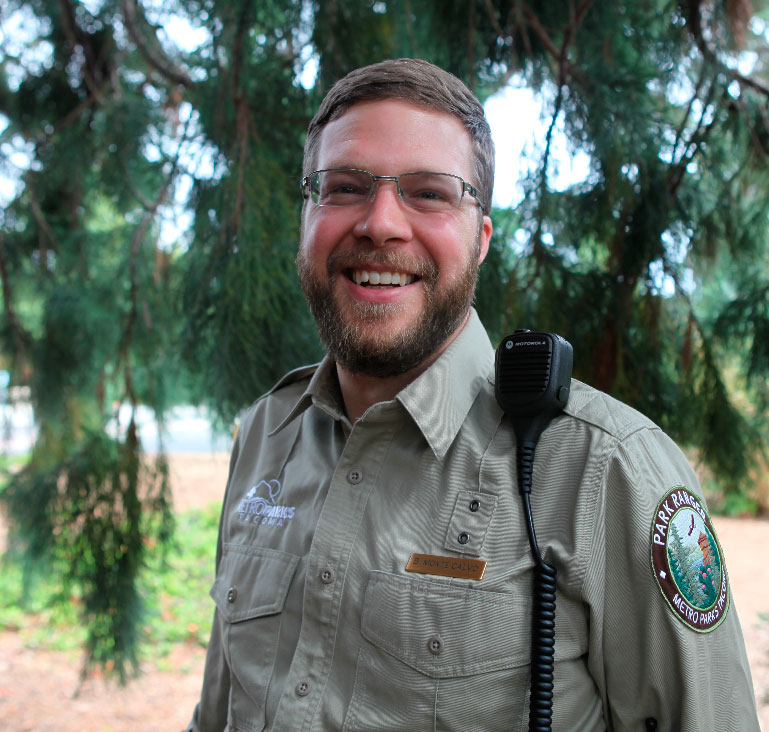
(419,82)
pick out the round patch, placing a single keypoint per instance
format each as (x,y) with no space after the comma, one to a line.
(688,562)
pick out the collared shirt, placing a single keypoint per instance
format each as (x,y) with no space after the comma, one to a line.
(319,626)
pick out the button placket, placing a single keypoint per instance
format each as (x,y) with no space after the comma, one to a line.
(470,522)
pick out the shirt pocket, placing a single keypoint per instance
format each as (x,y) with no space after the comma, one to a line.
(250,591)
(439,656)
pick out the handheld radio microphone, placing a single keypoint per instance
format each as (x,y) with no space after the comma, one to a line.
(533,376)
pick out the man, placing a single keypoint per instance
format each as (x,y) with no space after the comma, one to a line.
(373,569)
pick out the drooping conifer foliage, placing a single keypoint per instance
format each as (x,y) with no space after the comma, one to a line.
(147,247)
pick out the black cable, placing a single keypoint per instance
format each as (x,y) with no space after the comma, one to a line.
(532,384)
(543,613)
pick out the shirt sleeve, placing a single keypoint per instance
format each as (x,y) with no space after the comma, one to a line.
(646,661)
(210,713)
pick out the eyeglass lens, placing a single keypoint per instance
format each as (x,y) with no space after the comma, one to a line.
(426,191)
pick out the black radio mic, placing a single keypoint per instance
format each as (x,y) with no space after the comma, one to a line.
(533,376)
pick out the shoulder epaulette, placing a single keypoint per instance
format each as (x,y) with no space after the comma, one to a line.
(298,374)
(605,412)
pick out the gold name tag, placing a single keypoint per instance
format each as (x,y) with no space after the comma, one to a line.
(446,566)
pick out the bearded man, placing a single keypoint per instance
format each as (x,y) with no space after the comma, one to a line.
(373,570)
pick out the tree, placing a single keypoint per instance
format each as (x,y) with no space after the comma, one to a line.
(654,266)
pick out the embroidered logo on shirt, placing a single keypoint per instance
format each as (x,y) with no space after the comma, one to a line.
(260,505)
(687,561)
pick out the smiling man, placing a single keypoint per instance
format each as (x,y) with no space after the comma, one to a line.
(373,571)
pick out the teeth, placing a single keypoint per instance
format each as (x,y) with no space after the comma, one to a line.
(397,279)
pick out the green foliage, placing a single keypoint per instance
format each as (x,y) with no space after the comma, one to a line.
(175,610)
(737,505)
(88,516)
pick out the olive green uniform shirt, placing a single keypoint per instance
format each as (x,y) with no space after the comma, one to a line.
(319,627)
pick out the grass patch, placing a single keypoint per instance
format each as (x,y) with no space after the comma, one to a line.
(177,606)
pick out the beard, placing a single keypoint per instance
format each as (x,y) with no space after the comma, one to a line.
(355,342)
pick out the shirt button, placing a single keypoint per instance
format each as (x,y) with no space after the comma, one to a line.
(327,576)
(435,645)
(475,504)
(355,476)
(463,538)
(232,594)
(303,688)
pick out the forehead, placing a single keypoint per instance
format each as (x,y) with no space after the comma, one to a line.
(393,136)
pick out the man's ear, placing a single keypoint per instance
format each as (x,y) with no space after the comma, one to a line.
(484,238)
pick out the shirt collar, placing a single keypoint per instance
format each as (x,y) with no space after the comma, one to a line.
(323,391)
(438,400)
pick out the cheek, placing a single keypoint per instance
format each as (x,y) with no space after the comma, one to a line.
(451,248)
(320,234)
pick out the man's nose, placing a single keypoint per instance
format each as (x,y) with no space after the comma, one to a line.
(385,218)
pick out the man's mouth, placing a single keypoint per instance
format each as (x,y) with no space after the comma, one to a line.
(369,278)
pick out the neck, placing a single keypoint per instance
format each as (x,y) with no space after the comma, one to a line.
(360,391)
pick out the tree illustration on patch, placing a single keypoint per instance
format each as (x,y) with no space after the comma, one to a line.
(688,560)
(680,557)
(677,559)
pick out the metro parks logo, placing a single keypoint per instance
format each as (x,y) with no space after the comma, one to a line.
(687,561)
(259,506)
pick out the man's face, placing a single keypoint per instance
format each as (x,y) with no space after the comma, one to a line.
(387,329)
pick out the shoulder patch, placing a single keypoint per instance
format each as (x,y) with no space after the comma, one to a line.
(688,562)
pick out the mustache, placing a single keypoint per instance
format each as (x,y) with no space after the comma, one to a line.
(392,260)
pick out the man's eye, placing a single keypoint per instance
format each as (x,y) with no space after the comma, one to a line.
(429,195)
(341,188)
(346,188)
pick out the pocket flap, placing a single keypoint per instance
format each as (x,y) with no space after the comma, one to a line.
(252,581)
(445,631)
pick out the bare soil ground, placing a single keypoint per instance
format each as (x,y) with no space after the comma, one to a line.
(37,686)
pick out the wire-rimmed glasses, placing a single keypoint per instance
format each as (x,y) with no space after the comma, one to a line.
(422,190)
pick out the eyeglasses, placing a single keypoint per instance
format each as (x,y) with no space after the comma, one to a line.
(424,191)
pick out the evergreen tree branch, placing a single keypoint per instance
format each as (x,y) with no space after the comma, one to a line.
(242,118)
(151,210)
(410,29)
(21,336)
(694,144)
(560,55)
(710,54)
(133,313)
(491,14)
(154,57)
(76,38)
(695,97)
(46,232)
(471,45)
(576,15)
(533,20)
(755,138)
